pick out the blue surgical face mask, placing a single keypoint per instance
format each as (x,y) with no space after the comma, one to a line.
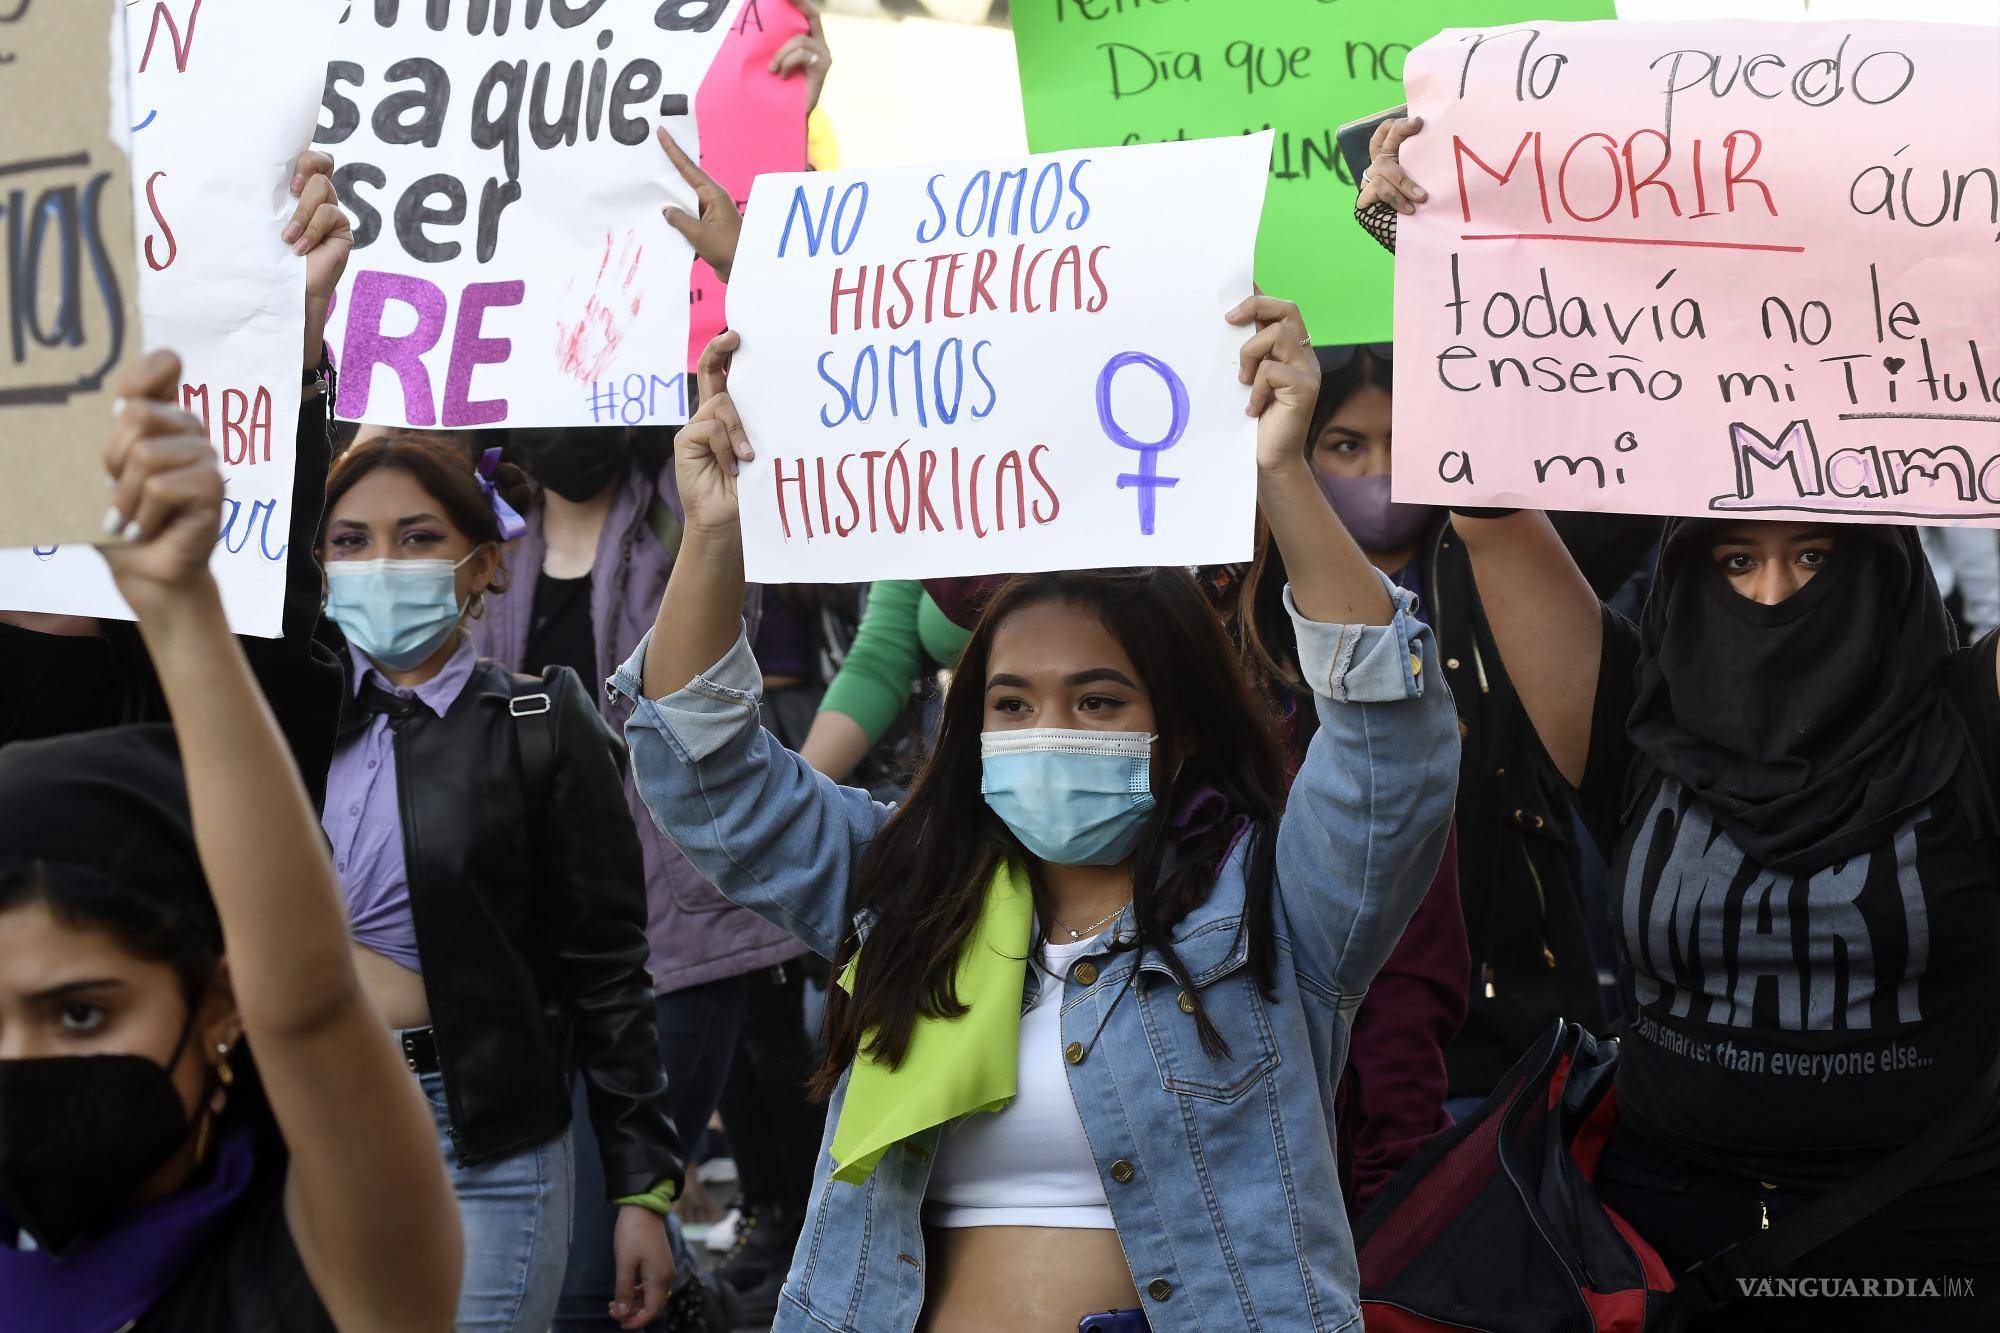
(1073,798)
(398,612)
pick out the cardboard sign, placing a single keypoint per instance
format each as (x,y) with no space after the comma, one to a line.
(1123,72)
(65,266)
(512,267)
(217,283)
(1704,269)
(756,124)
(998,366)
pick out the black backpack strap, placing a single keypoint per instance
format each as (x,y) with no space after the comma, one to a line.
(1715,1281)
(533,707)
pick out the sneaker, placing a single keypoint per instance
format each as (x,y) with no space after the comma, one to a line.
(721,1237)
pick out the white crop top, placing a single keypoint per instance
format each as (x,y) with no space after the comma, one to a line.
(1029,1165)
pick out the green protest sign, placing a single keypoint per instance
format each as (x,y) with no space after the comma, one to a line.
(1097,72)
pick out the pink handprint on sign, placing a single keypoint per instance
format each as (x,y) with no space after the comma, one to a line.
(587,346)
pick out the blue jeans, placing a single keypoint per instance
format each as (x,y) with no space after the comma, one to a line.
(697,1035)
(516,1216)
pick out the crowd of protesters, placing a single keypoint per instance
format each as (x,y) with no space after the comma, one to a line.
(418,968)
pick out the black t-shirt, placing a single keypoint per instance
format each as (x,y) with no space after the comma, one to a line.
(1794,1026)
(250,1278)
(559,629)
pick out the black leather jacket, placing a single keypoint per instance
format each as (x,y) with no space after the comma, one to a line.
(530,918)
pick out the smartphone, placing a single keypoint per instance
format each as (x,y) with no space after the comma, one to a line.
(1354,136)
(1115,1321)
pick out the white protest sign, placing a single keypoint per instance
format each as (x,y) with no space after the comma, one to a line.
(1704,269)
(223,95)
(511,264)
(987,367)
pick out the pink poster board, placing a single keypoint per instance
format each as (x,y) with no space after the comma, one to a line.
(752,122)
(1704,269)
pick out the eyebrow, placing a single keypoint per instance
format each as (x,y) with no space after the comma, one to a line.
(1091,676)
(70,988)
(1810,535)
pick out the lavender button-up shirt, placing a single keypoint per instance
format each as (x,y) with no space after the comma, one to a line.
(364,821)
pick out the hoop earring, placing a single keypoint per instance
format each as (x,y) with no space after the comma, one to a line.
(218,1101)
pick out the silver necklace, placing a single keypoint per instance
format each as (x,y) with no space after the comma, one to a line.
(1091,930)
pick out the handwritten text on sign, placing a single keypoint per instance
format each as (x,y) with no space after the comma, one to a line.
(216,282)
(512,267)
(1704,269)
(1116,71)
(65,263)
(999,366)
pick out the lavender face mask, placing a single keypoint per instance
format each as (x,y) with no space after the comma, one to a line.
(1376,522)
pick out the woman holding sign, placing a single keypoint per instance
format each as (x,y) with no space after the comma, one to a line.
(204,1126)
(1791,764)
(1092,968)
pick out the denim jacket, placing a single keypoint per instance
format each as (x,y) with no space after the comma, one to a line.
(1220,1172)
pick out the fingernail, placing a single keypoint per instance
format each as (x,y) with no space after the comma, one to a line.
(298,183)
(118,406)
(132,531)
(301,249)
(113,520)
(293,232)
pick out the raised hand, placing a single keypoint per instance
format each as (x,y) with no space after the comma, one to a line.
(1278,364)
(807,52)
(711,447)
(321,232)
(167,506)
(1385,181)
(714,232)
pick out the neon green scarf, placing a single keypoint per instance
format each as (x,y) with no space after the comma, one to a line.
(954,1066)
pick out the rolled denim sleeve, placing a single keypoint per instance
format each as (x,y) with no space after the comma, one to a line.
(755,819)
(1370,808)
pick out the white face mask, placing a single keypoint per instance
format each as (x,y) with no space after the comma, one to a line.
(398,612)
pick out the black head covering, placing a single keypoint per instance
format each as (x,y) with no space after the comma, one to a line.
(1815,728)
(106,807)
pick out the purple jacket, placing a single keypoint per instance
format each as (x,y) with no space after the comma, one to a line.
(695,934)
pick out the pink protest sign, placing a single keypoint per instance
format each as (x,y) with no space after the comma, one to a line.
(752,122)
(1703,269)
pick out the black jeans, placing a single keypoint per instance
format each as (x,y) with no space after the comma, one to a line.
(774,1128)
(697,1034)
(1947,1235)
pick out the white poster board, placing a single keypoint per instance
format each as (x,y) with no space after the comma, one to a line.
(511,265)
(1017,364)
(223,98)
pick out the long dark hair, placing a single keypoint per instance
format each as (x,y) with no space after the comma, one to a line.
(189,942)
(1263,630)
(926,873)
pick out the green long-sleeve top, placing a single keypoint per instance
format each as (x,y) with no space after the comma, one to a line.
(900,629)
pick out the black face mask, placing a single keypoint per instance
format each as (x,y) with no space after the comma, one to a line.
(78,1136)
(576,464)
